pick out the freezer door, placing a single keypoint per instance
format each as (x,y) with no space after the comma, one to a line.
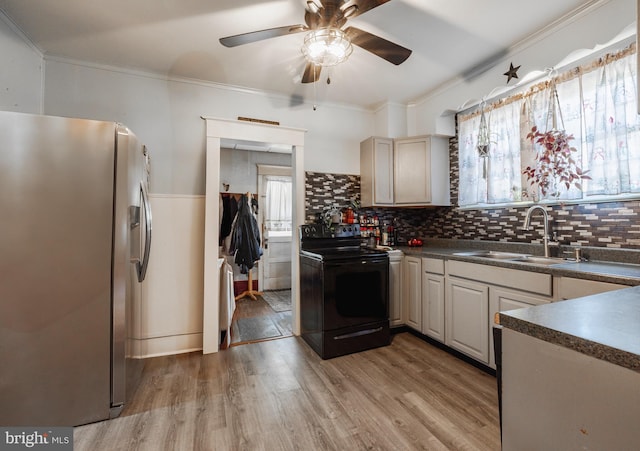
(132,245)
(56,240)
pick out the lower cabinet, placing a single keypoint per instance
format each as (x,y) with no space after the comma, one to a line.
(503,299)
(433,289)
(412,291)
(467,309)
(455,302)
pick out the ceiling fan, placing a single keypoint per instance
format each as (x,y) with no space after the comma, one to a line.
(329,17)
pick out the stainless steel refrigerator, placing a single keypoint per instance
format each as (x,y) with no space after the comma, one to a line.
(75,236)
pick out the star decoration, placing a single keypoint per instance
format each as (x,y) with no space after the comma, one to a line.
(512,72)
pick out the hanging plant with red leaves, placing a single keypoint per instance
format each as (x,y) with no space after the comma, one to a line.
(555,166)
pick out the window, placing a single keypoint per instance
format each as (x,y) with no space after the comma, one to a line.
(597,104)
(278,203)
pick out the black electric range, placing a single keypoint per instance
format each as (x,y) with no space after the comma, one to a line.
(344,301)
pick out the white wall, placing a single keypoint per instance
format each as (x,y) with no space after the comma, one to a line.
(239,168)
(166,116)
(597,26)
(391,121)
(21,73)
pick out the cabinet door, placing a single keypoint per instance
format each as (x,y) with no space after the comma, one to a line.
(412,292)
(383,172)
(412,166)
(467,308)
(433,305)
(502,300)
(395,293)
(376,171)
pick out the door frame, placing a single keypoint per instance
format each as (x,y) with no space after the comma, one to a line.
(216,130)
(264,170)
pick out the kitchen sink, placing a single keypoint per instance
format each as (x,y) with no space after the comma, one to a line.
(513,257)
(541,260)
(492,254)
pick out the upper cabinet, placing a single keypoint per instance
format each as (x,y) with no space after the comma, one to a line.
(405,172)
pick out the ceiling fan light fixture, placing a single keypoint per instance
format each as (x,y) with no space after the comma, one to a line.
(326,47)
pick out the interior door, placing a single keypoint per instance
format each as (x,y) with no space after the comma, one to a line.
(274,188)
(277,261)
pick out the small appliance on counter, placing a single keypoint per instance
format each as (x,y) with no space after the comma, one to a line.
(344,301)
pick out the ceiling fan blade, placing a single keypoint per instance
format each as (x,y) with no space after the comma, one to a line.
(363,6)
(255,36)
(387,50)
(311,73)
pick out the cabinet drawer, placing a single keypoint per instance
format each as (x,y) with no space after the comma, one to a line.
(506,277)
(433,265)
(570,288)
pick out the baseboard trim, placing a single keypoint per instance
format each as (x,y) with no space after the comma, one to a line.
(170,345)
(453,352)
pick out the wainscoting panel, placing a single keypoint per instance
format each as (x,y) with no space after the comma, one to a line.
(168,314)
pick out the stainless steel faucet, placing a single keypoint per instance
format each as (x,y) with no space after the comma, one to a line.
(545,216)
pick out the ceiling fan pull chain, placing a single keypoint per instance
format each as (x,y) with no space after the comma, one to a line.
(315,89)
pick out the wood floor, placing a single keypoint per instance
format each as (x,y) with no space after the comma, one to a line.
(279,395)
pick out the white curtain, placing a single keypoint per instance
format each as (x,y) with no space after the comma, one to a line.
(278,203)
(503,179)
(598,107)
(500,182)
(612,128)
(472,185)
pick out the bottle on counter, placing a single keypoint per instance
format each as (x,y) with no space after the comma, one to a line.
(385,236)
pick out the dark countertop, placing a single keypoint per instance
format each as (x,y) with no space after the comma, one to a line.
(605,326)
(624,271)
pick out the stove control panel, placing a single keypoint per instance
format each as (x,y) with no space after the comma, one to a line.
(346,230)
(335,231)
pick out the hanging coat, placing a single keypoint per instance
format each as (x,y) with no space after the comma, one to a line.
(245,237)
(229,210)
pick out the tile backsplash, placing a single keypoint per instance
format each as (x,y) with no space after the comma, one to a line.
(611,224)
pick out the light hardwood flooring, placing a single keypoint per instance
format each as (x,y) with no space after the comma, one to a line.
(279,395)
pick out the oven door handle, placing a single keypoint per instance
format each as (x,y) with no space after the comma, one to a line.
(358,334)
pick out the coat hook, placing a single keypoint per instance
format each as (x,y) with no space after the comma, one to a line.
(225,186)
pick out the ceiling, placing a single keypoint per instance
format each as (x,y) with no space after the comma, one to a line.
(179,38)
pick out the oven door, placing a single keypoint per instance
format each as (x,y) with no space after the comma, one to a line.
(356,292)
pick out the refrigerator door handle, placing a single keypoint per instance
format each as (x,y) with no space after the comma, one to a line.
(143,265)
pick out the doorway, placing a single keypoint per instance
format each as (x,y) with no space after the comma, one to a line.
(255,132)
